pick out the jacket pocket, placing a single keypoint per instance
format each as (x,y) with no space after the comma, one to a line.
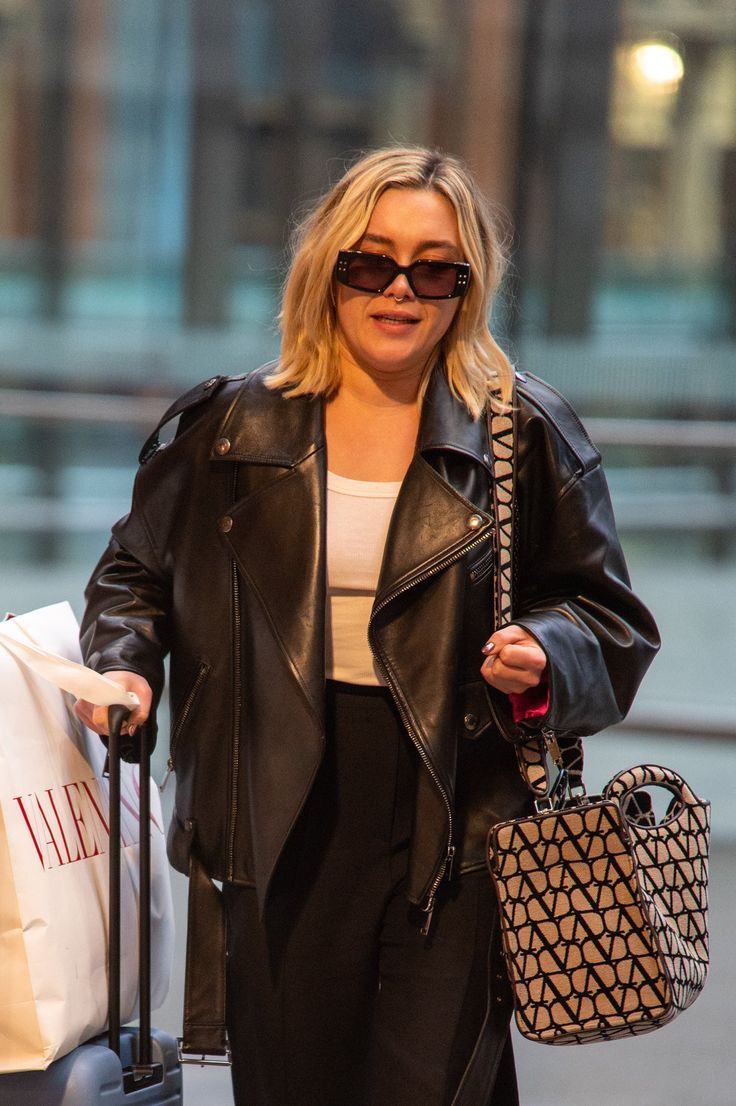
(179,842)
(474,710)
(187,706)
(482,568)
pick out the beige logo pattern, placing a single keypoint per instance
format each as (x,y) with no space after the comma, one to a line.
(502,442)
(604,910)
(530,753)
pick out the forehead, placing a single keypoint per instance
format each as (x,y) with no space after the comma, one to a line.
(406,215)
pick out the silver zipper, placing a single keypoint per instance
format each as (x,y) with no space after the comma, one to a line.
(237,671)
(204,670)
(445,866)
(482,568)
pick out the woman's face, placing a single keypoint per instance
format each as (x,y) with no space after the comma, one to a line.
(393,333)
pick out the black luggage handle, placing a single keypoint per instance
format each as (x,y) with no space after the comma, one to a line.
(143,1071)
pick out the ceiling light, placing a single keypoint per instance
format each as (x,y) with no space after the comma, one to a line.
(657,64)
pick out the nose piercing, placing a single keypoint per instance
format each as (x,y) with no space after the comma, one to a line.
(399,299)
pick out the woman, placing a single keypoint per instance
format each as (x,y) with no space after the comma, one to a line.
(315,549)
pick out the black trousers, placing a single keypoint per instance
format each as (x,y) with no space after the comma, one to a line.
(335,998)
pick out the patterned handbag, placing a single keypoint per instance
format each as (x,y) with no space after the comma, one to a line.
(603,909)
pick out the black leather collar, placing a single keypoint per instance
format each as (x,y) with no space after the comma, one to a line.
(446,422)
(264,427)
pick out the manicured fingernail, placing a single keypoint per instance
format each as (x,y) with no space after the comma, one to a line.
(488,647)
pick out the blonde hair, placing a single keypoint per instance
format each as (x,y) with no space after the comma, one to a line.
(475,365)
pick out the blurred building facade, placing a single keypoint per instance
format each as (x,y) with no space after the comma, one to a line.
(154,153)
(155,150)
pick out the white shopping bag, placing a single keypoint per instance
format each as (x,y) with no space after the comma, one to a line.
(54,856)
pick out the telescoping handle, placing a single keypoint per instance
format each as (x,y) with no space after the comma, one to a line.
(143,1070)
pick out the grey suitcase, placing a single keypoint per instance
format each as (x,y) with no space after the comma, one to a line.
(125,1067)
(93,1074)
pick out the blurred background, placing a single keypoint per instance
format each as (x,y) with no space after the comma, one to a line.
(152,154)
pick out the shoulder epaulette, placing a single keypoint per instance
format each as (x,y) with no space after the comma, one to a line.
(560,413)
(200,393)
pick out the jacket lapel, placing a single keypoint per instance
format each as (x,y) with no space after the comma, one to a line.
(277,525)
(432,525)
(434,521)
(277,531)
(416,624)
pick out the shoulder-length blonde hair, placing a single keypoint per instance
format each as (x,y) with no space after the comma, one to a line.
(476,366)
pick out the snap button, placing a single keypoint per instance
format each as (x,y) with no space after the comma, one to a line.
(226,524)
(474,522)
(471,722)
(222,446)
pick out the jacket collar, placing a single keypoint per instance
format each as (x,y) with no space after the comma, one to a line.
(263,426)
(277,536)
(447,424)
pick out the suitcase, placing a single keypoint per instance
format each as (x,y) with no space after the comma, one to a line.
(126,1066)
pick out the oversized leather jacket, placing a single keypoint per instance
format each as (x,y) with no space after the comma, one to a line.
(221,562)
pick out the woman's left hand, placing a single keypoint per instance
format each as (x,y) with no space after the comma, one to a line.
(514,662)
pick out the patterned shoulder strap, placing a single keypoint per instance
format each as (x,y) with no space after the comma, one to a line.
(531,754)
(502,432)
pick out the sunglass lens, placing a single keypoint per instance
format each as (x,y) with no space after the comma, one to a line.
(371,273)
(434,280)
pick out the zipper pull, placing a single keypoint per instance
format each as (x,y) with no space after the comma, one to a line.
(165,780)
(450,860)
(552,745)
(429,911)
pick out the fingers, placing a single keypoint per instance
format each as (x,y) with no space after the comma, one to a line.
(84,711)
(509,635)
(515,662)
(96,717)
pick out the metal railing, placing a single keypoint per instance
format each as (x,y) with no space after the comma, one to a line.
(50,406)
(704,436)
(702,442)
(701,722)
(712,444)
(86,407)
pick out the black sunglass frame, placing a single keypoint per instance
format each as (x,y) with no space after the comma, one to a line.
(461,268)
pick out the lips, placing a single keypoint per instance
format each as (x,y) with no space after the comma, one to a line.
(395,317)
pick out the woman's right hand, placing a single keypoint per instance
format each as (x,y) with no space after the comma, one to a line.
(96,717)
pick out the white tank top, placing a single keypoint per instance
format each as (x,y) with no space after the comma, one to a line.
(358,517)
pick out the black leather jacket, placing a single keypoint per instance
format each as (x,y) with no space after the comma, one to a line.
(221,562)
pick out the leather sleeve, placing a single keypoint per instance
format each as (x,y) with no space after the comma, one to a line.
(575,597)
(125,623)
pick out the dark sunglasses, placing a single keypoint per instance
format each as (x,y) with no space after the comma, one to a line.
(429,280)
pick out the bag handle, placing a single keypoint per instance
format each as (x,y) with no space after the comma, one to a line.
(144,1072)
(531,752)
(650,775)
